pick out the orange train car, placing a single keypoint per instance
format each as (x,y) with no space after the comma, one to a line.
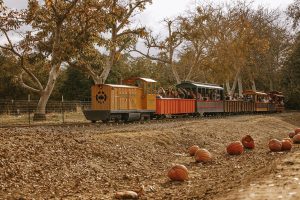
(123,102)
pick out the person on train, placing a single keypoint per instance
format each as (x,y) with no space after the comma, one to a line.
(180,93)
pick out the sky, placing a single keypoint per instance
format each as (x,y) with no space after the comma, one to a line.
(161,9)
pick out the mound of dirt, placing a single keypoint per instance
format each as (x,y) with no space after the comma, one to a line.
(96,161)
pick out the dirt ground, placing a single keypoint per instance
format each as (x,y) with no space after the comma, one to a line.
(95,161)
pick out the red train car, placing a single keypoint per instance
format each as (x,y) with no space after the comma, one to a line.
(175,106)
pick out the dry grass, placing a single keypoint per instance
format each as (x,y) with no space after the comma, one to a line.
(52,118)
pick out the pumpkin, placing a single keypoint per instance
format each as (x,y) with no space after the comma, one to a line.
(248,142)
(193,149)
(289,139)
(296,139)
(292,134)
(286,144)
(275,145)
(297,130)
(235,148)
(202,155)
(178,173)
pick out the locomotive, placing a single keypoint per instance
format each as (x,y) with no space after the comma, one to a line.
(137,99)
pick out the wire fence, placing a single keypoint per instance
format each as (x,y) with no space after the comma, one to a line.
(21,112)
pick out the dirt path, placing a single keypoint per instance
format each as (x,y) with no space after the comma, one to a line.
(95,161)
(282,183)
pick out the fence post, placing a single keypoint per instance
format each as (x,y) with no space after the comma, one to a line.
(28,108)
(62,109)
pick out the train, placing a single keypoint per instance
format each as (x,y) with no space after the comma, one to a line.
(137,99)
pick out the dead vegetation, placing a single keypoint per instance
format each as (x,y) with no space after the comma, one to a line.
(96,161)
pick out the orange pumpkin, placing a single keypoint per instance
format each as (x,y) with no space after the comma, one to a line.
(178,173)
(235,148)
(296,139)
(297,130)
(286,145)
(248,142)
(289,139)
(275,145)
(292,134)
(193,149)
(202,155)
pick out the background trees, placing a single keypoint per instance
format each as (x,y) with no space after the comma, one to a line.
(42,46)
(79,42)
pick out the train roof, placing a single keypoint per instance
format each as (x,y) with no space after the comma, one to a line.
(251,92)
(200,85)
(276,93)
(121,86)
(148,80)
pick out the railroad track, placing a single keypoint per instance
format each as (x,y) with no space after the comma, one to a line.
(122,123)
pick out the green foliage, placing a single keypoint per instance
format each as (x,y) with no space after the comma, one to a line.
(291,77)
(75,86)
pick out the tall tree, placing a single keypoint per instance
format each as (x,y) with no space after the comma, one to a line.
(109,43)
(166,48)
(291,76)
(198,30)
(47,37)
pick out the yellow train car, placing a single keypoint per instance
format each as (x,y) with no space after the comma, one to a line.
(123,102)
(261,100)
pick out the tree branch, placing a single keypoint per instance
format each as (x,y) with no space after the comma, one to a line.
(131,10)
(11,49)
(27,86)
(150,57)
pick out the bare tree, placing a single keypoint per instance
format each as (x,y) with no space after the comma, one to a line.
(165,49)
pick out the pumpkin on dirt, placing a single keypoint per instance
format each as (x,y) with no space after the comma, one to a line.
(296,139)
(292,134)
(297,130)
(248,142)
(235,148)
(193,149)
(286,144)
(203,155)
(178,173)
(275,145)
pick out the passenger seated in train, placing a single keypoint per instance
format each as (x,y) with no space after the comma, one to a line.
(248,98)
(181,93)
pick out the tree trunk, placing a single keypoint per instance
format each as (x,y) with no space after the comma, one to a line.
(253,85)
(40,113)
(234,84)
(228,86)
(240,85)
(271,85)
(231,90)
(104,74)
(176,76)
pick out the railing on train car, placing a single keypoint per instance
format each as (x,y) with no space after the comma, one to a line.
(210,106)
(262,106)
(238,106)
